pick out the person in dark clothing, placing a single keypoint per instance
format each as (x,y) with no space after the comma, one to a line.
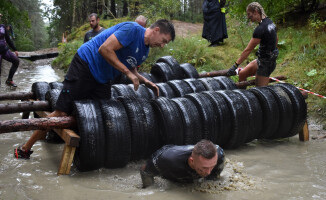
(184,164)
(6,54)
(265,34)
(214,29)
(98,62)
(94,22)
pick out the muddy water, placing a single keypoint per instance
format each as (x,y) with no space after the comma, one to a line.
(284,169)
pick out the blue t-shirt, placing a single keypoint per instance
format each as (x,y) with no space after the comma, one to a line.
(133,53)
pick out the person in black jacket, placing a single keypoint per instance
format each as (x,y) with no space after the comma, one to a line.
(6,54)
(184,164)
(214,29)
(265,34)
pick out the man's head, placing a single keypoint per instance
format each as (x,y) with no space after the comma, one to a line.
(160,33)
(255,12)
(203,158)
(141,20)
(94,20)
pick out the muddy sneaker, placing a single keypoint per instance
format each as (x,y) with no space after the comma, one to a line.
(20,153)
(10,83)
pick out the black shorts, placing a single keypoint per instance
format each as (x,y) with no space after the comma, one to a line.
(80,84)
(267,64)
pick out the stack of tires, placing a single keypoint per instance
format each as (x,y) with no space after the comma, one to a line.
(117,131)
(166,69)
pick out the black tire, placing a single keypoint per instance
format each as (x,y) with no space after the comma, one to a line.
(286,111)
(143,92)
(208,118)
(239,115)
(56,85)
(114,93)
(180,87)
(138,124)
(170,121)
(196,85)
(52,96)
(211,84)
(255,114)
(189,70)
(191,120)
(166,90)
(299,107)
(152,131)
(90,154)
(124,90)
(270,111)
(147,76)
(223,114)
(226,83)
(173,63)
(162,72)
(40,89)
(117,134)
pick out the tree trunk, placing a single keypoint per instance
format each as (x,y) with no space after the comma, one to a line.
(113,9)
(37,124)
(125,8)
(24,107)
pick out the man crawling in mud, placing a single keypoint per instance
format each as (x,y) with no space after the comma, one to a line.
(184,164)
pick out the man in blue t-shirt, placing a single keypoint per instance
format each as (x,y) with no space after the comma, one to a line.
(115,51)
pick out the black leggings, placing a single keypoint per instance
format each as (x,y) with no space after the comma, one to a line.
(10,57)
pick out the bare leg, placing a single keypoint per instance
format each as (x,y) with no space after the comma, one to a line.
(262,81)
(40,134)
(249,70)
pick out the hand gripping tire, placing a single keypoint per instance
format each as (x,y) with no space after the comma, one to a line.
(143,92)
(90,154)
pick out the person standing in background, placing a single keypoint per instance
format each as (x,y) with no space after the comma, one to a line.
(6,54)
(214,29)
(94,22)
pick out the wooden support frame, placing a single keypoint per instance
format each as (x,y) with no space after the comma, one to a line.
(71,142)
(304,133)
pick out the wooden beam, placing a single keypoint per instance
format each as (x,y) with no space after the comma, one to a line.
(66,160)
(304,133)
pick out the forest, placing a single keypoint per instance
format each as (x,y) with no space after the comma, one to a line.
(27,17)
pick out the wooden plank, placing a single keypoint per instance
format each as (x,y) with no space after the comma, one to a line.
(66,160)
(69,136)
(304,133)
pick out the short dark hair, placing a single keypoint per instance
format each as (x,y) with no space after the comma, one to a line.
(165,26)
(205,148)
(93,14)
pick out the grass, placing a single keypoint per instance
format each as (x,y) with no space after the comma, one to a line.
(302,55)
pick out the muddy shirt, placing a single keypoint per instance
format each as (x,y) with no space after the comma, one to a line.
(91,33)
(5,39)
(171,162)
(266,31)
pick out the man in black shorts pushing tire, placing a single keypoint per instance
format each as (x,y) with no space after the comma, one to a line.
(266,36)
(184,164)
(98,62)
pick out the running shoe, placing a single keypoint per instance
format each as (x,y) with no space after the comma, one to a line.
(20,153)
(10,83)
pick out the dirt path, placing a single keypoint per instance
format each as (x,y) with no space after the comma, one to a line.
(185,29)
